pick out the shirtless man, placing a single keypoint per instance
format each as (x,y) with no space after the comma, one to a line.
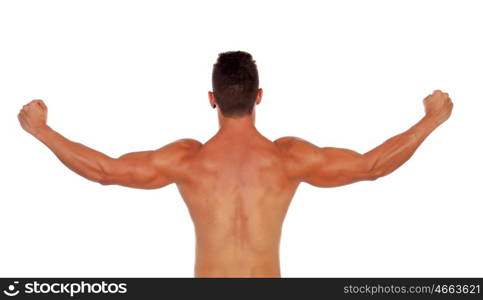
(239,184)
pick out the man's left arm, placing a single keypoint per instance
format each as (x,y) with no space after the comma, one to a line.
(145,169)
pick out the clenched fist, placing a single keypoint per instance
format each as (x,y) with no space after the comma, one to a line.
(33,116)
(438,106)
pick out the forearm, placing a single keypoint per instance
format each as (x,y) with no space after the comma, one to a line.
(397,150)
(83,160)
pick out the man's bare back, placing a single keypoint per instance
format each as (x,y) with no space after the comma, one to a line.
(237,192)
(239,184)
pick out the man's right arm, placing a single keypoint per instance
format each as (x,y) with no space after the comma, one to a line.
(330,167)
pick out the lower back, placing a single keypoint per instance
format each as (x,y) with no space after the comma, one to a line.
(237,241)
(248,266)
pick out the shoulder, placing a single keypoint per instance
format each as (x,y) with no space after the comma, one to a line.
(292,145)
(186,144)
(177,151)
(299,156)
(182,145)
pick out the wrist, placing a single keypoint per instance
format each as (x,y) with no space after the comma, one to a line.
(428,123)
(431,120)
(41,132)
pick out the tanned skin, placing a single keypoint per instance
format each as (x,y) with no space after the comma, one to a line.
(239,184)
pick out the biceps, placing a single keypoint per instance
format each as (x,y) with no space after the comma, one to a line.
(135,170)
(338,166)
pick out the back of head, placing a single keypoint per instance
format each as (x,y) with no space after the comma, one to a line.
(235,83)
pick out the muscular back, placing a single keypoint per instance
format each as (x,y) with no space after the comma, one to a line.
(237,192)
(238,185)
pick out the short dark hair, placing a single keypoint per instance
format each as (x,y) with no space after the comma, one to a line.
(235,83)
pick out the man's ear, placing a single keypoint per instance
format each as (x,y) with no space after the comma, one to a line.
(211,97)
(259,96)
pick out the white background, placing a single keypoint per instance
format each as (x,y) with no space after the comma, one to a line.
(123,76)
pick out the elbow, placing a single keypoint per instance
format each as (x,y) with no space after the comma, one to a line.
(375,172)
(375,176)
(102,178)
(373,169)
(103,182)
(104,172)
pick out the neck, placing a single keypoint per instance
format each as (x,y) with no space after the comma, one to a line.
(244,124)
